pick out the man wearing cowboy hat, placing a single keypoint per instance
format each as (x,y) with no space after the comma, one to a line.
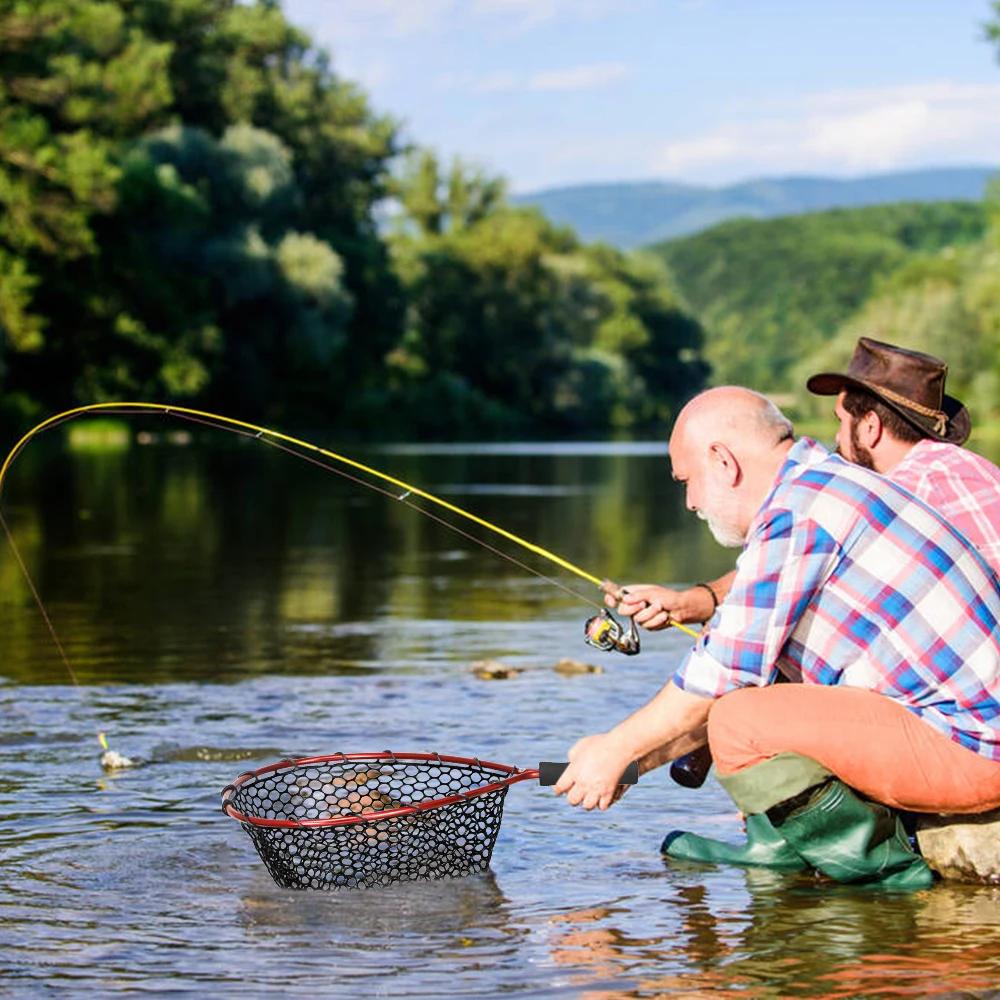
(896,419)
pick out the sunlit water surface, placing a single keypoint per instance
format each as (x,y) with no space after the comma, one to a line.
(224,607)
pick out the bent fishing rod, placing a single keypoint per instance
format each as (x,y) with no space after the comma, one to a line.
(603,631)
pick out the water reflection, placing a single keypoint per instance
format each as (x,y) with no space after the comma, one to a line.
(193,563)
(793,937)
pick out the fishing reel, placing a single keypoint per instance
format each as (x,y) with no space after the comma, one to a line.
(604,631)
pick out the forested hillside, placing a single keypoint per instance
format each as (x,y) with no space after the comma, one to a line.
(782,298)
(188,204)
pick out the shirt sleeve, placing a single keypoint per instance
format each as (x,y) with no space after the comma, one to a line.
(786,561)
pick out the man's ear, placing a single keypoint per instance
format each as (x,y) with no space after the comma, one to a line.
(725,462)
(869,430)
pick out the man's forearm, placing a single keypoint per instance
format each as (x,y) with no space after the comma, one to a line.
(671,724)
(671,751)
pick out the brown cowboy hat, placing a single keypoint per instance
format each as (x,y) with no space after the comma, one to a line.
(908,381)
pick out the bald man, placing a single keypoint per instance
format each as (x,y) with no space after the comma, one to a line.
(848,584)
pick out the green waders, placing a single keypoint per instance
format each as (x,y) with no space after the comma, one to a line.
(819,819)
(765,848)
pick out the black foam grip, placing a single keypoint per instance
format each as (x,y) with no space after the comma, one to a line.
(692,769)
(549,773)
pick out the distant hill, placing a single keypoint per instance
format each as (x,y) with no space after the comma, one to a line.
(633,214)
(771,293)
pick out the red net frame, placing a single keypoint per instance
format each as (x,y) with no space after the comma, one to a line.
(369,819)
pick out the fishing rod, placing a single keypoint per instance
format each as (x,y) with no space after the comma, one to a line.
(602,631)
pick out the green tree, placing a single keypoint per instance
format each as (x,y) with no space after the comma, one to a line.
(76,79)
(100,294)
(243,63)
(512,318)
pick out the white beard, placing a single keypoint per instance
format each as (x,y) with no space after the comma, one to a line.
(726,535)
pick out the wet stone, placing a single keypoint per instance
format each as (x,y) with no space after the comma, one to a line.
(492,670)
(570,668)
(962,848)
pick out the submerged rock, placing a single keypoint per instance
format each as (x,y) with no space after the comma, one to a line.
(569,668)
(962,848)
(492,670)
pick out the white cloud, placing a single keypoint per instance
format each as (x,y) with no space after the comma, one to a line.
(878,137)
(579,77)
(573,79)
(353,19)
(497,83)
(532,12)
(848,131)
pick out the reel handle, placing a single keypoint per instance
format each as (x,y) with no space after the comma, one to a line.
(549,773)
(692,769)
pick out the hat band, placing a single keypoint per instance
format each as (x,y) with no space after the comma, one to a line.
(939,417)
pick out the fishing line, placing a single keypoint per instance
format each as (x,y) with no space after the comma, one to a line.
(102,739)
(602,631)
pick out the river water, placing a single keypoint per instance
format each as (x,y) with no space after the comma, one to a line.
(223,605)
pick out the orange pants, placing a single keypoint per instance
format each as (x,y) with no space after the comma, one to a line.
(869,741)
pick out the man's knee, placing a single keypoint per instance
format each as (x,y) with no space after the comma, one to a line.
(731,730)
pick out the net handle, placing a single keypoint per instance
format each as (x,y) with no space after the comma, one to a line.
(550,772)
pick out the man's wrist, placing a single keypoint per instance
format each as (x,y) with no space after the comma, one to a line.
(711,592)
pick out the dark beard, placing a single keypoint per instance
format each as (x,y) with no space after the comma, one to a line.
(862,456)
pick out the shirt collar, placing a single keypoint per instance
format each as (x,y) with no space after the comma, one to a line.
(804,452)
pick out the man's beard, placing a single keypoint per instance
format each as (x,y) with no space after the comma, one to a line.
(726,535)
(724,532)
(860,455)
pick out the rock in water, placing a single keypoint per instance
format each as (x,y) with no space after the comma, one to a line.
(491,670)
(569,668)
(963,848)
(112,760)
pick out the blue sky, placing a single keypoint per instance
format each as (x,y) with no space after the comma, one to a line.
(553,92)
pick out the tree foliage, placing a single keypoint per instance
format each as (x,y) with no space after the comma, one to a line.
(191,201)
(945,303)
(773,292)
(505,306)
(188,194)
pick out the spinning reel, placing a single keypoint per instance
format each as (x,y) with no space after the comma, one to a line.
(604,631)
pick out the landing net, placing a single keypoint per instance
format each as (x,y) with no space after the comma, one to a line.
(366,820)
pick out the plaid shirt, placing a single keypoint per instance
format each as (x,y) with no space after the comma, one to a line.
(847,579)
(963,487)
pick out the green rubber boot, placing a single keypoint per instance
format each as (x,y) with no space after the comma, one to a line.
(850,838)
(765,848)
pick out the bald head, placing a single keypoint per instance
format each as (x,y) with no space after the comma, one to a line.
(727,446)
(743,419)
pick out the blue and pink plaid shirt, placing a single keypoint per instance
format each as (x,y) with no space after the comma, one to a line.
(963,487)
(847,579)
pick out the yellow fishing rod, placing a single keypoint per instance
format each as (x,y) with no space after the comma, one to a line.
(602,631)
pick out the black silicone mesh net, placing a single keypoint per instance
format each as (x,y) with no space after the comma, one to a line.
(448,839)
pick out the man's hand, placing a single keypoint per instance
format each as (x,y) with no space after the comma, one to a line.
(596,764)
(654,607)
